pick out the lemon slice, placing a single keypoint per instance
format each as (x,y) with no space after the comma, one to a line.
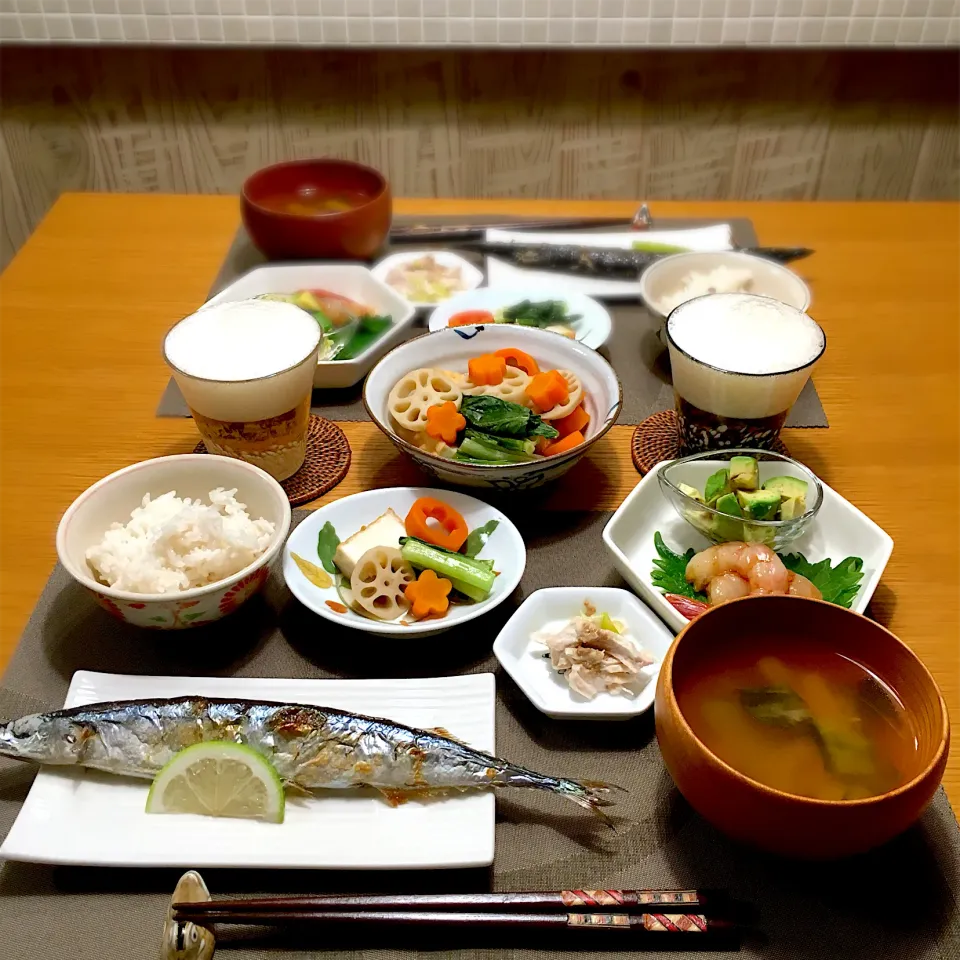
(220,779)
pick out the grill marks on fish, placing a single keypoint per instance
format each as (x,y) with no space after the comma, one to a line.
(310,747)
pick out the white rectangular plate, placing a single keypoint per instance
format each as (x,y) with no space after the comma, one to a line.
(839,530)
(87,818)
(500,274)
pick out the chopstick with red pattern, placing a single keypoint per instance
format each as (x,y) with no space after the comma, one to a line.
(629,900)
(640,922)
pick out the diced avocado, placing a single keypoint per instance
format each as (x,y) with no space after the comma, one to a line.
(759,504)
(729,504)
(792,507)
(754,533)
(307,301)
(787,487)
(691,492)
(744,473)
(717,485)
(725,529)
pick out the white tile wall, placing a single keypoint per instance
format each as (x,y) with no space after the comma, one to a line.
(485,23)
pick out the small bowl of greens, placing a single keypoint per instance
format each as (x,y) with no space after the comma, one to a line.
(573,315)
(360,317)
(756,496)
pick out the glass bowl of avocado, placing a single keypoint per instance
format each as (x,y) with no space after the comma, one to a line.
(755,496)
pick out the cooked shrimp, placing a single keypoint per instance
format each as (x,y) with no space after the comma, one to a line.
(712,562)
(728,586)
(800,586)
(731,570)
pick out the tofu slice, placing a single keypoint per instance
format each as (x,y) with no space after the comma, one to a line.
(385,531)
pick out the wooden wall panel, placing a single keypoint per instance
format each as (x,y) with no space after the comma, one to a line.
(707,124)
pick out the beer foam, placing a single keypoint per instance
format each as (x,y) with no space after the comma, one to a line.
(244,340)
(744,333)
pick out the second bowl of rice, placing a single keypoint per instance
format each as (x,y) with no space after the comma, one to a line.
(177,541)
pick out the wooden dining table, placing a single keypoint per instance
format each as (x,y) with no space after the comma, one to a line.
(85,303)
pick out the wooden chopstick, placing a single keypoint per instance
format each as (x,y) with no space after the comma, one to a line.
(641,922)
(621,900)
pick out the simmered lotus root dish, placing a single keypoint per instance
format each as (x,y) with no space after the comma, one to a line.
(505,409)
(413,394)
(378,582)
(512,387)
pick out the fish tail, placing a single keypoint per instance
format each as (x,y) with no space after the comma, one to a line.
(8,743)
(592,795)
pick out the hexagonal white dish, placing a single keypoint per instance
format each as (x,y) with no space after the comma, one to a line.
(522,657)
(349,514)
(83,817)
(471,277)
(592,329)
(840,530)
(348,279)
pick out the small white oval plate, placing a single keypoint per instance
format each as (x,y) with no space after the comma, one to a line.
(348,515)
(522,657)
(471,276)
(592,329)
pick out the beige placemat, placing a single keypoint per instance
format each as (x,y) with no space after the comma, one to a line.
(899,902)
(634,348)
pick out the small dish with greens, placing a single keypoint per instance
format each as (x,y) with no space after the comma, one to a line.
(359,317)
(404,560)
(575,316)
(679,571)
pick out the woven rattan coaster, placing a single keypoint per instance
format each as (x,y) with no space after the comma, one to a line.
(658,438)
(326,464)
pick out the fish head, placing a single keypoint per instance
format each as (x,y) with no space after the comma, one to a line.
(43,739)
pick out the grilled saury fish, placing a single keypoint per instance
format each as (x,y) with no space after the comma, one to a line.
(310,747)
(609,262)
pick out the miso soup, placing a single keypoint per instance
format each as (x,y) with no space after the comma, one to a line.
(801,718)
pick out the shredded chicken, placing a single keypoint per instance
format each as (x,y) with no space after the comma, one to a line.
(594,660)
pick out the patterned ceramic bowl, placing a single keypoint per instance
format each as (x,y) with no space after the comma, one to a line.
(191,475)
(450,350)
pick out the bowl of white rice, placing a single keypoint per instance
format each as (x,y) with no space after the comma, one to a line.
(684,276)
(175,542)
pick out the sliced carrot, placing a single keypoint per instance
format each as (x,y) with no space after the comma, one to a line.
(568,442)
(520,360)
(450,531)
(548,389)
(428,594)
(487,370)
(336,607)
(445,421)
(467,318)
(572,422)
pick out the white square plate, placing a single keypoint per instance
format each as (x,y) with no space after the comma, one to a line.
(349,280)
(501,274)
(87,818)
(839,530)
(523,657)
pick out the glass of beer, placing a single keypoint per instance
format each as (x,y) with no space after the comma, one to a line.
(739,362)
(246,371)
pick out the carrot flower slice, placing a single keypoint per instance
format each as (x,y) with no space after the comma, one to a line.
(487,370)
(428,594)
(520,360)
(450,531)
(548,389)
(445,421)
